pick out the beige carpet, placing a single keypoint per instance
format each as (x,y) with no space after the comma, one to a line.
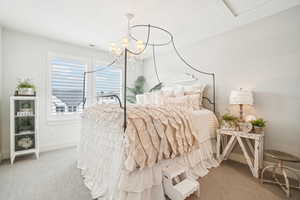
(55,177)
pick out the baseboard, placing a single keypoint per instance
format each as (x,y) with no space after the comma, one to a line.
(57,147)
(240,158)
(46,148)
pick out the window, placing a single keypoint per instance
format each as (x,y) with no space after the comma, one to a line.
(66,86)
(108,80)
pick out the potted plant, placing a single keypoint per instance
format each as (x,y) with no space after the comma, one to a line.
(25,87)
(258,125)
(229,122)
(139,88)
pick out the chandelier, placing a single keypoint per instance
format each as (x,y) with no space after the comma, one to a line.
(117,48)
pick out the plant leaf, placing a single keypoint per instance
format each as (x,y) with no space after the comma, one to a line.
(132,90)
(131,99)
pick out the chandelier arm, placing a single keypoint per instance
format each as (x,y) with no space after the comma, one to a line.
(146,45)
(154,63)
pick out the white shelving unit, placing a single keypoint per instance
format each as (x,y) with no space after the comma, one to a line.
(24,126)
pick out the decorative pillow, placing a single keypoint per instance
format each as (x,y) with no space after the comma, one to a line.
(194,89)
(140,99)
(178,91)
(148,98)
(168,91)
(195,101)
(179,101)
(157,98)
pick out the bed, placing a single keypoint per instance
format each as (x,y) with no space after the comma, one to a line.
(124,148)
(115,166)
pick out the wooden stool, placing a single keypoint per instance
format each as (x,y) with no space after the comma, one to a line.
(281,157)
(177,185)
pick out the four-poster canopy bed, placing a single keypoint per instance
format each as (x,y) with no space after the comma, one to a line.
(124,148)
(147,43)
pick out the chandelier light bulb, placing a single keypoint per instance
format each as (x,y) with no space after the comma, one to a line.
(125,40)
(140,42)
(140,45)
(117,48)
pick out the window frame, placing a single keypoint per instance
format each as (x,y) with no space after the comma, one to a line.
(64,116)
(96,63)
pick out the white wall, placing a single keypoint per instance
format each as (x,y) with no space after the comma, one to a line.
(0,83)
(263,56)
(26,55)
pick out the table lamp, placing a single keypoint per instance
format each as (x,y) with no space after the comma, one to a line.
(241,97)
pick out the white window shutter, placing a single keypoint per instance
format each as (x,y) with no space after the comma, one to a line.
(108,80)
(66,86)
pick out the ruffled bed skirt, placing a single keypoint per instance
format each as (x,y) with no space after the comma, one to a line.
(146,184)
(101,160)
(107,180)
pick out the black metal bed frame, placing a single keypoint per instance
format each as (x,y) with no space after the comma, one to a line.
(147,43)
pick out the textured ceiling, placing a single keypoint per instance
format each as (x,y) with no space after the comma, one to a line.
(102,21)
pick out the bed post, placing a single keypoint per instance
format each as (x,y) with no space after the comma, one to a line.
(125,89)
(214,92)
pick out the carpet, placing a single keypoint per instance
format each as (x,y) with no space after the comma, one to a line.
(54,176)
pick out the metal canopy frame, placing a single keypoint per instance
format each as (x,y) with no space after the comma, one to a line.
(147,43)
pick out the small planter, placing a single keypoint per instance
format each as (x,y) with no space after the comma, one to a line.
(258,125)
(26,91)
(230,126)
(258,130)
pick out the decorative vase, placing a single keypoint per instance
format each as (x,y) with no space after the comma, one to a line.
(245,127)
(26,91)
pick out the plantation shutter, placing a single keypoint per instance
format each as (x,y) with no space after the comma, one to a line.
(66,86)
(108,80)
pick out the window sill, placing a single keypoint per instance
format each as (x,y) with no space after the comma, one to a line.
(63,119)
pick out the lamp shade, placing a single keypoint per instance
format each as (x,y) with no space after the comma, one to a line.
(241,97)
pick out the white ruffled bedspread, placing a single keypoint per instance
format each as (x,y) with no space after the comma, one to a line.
(104,161)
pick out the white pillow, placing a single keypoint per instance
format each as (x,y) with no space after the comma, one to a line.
(148,99)
(140,98)
(194,89)
(168,91)
(153,98)
(178,91)
(157,98)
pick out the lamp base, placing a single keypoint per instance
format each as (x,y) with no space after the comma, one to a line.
(241,112)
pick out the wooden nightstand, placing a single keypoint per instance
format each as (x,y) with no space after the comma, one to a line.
(254,160)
